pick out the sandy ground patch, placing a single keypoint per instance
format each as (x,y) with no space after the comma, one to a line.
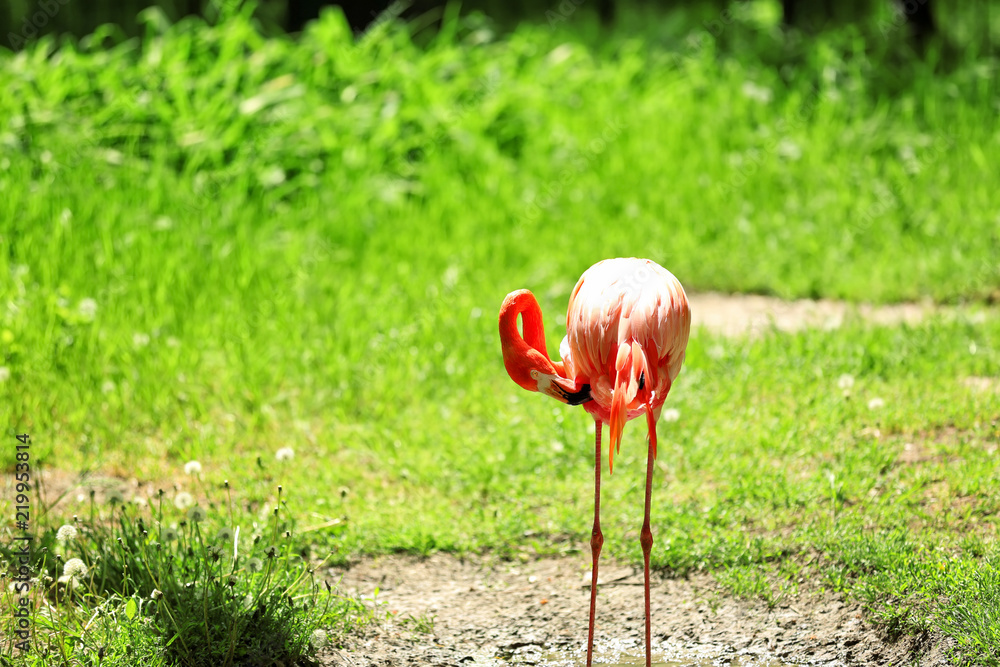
(736,314)
(492,612)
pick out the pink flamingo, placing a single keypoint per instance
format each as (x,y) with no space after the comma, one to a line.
(627,329)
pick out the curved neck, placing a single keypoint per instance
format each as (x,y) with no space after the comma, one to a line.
(523,303)
(525,353)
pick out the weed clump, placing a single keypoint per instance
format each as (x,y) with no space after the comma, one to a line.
(174,583)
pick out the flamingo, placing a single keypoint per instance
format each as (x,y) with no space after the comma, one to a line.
(627,328)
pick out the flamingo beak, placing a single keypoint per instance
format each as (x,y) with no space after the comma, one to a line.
(570,394)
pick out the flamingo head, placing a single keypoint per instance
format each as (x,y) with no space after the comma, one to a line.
(525,357)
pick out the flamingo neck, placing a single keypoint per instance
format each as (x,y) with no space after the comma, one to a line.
(522,303)
(523,353)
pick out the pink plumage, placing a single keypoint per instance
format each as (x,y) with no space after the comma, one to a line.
(628,322)
(627,330)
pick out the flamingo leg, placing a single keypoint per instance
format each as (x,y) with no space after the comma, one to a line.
(596,542)
(646,535)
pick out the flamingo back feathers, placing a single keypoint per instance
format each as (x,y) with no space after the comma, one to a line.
(627,324)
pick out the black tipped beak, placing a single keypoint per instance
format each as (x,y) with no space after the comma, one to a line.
(579,397)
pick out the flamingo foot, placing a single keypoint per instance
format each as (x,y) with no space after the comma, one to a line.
(596,542)
(646,539)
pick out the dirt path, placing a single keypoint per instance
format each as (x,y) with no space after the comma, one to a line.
(734,314)
(491,612)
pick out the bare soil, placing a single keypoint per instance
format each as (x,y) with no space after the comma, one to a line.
(487,611)
(736,314)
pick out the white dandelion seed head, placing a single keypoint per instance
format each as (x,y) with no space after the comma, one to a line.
(876,403)
(140,339)
(224,535)
(183,500)
(318,637)
(4,373)
(787,148)
(196,514)
(75,568)
(845,381)
(756,92)
(285,454)
(192,468)
(670,415)
(255,565)
(114,497)
(87,308)
(168,534)
(66,532)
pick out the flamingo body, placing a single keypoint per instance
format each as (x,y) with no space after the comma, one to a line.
(627,329)
(627,325)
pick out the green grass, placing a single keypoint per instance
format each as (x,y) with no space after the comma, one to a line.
(218,245)
(165,581)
